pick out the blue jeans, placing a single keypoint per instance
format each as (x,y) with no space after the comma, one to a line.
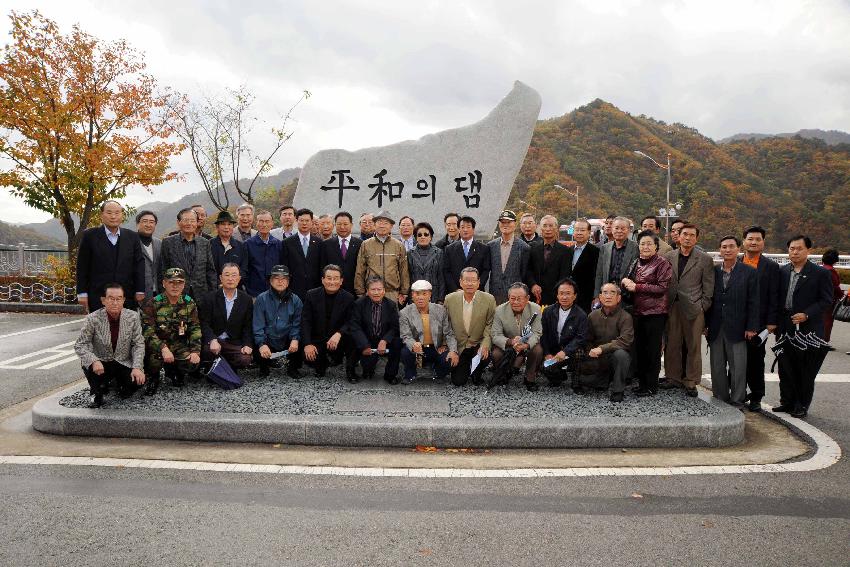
(430,356)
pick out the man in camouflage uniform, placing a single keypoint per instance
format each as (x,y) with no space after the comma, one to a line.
(172,332)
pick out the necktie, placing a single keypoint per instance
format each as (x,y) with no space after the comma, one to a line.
(305,243)
(343,249)
(466,250)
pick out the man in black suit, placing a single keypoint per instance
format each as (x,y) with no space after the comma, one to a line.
(465,253)
(225,249)
(107,254)
(324,324)
(375,330)
(564,333)
(549,263)
(583,259)
(805,293)
(768,278)
(191,253)
(226,316)
(341,250)
(301,253)
(731,322)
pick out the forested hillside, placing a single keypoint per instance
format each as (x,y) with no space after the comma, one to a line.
(784,184)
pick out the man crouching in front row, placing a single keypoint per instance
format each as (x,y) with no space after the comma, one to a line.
(111,347)
(172,332)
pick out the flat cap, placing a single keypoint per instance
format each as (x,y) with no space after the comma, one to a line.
(421,285)
(384,215)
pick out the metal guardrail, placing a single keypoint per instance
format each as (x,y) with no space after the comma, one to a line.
(18,260)
(843,260)
(37,293)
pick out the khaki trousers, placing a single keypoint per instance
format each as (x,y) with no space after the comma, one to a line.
(681,330)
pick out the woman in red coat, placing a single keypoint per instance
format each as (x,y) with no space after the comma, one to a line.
(830,257)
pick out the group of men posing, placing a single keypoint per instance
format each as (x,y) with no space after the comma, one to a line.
(326,299)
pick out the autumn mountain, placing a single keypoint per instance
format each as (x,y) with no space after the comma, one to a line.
(785,184)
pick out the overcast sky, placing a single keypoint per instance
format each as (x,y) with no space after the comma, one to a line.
(382,71)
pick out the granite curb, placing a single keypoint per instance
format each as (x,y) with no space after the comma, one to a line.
(723,429)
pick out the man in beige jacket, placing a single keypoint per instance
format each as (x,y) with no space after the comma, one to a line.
(383,256)
(471,314)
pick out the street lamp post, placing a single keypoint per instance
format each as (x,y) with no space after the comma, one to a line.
(571,194)
(667,208)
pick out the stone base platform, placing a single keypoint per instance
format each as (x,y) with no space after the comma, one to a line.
(331,412)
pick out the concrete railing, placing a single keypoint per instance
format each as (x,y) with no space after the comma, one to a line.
(843,260)
(19,260)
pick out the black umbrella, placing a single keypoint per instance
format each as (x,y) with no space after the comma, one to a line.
(800,357)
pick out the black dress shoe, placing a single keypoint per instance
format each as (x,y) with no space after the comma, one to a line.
(392,380)
(641,393)
(579,390)
(177,380)
(265,371)
(293,373)
(799,414)
(531,386)
(617,397)
(782,409)
(668,385)
(754,406)
(691,392)
(320,372)
(95,401)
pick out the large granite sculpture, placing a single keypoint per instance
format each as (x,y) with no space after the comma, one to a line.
(469,170)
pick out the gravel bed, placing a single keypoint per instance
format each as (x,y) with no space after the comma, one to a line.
(280,395)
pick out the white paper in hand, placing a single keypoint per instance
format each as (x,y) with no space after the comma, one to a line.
(476,360)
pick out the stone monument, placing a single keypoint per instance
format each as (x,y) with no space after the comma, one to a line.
(469,170)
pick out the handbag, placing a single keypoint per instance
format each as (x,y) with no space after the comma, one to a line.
(841,312)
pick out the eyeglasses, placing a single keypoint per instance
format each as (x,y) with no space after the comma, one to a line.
(421,234)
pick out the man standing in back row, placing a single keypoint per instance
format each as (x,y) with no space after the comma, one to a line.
(689,295)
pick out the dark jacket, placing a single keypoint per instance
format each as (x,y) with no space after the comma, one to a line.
(314,330)
(734,310)
(202,278)
(534,240)
(262,257)
(276,318)
(454,261)
(98,263)
(362,332)
(573,335)
(548,274)
(429,267)
(443,242)
(304,272)
(812,296)
(652,282)
(237,255)
(330,254)
(769,302)
(584,274)
(214,320)
(516,269)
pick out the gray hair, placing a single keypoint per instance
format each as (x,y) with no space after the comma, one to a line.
(622,219)
(374,279)
(244,206)
(616,287)
(554,219)
(470,270)
(519,285)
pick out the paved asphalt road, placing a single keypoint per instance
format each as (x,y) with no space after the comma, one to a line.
(63,515)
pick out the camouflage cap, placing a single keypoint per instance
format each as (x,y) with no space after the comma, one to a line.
(175,274)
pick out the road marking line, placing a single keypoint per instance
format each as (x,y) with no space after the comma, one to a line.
(41,328)
(54,349)
(39,360)
(71,358)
